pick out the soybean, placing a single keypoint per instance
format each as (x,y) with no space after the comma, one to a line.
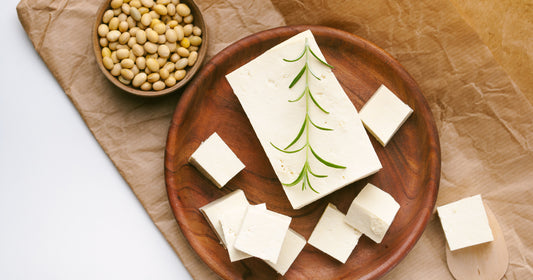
(140,35)
(126,74)
(180,74)
(104,42)
(124,81)
(170,81)
(152,64)
(124,38)
(192,58)
(152,78)
(187,30)
(135,14)
(116,70)
(183,52)
(140,62)
(182,63)
(159,85)
(150,48)
(146,19)
(123,26)
(108,15)
(137,50)
(147,3)
(106,52)
(113,23)
(146,86)
(160,9)
(113,35)
(116,4)
(183,10)
(188,19)
(163,51)
(108,62)
(103,30)
(196,31)
(123,53)
(139,79)
(171,35)
(127,63)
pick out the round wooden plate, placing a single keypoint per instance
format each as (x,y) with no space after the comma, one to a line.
(411,161)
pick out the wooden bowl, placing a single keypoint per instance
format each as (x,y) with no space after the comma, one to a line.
(411,160)
(191,71)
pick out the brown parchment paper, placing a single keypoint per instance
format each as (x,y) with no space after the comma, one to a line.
(484,120)
(505,27)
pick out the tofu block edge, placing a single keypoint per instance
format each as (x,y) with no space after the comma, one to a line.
(262,85)
(465,223)
(372,212)
(291,248)
(215,209)
(216,161)
(262,233)
(383,114)
(333,236)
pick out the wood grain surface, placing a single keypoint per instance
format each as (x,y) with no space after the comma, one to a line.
(411,161)
(191,71)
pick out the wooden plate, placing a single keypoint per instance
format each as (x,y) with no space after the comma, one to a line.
(411,161)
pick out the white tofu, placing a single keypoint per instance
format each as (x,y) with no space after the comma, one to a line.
(262,87)
(234,202)
(465,223)
(333,236)
(383,114)
(372,212)
(291,248)
(215,160)
(262,233)
(230,223)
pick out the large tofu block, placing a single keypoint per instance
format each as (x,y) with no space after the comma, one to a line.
(372,212)
(465,223)
(215,160)
(383,114)
(234,202)
(262,233)
(262,87)
(230,222)
(333,236)
(291,248)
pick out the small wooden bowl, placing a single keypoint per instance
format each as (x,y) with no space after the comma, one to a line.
(191,71)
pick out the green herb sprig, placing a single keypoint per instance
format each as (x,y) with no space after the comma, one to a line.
(306,171)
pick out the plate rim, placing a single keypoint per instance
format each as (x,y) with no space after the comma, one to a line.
(435,152)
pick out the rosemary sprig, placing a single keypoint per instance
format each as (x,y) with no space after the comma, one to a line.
(306,171)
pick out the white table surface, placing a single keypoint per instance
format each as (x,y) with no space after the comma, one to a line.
(65,211)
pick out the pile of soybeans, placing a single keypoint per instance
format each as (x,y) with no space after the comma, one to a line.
(148,44)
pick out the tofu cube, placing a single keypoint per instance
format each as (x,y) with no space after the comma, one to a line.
(230,223)
(465,223)
(383,114)
(262,233)
(372,212)
(233,202)
(333,236)
(291,248)
(215,160)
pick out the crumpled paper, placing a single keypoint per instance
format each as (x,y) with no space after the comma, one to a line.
(484,120)
(505,27)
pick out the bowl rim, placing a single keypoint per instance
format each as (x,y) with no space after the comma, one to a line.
(97,49)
